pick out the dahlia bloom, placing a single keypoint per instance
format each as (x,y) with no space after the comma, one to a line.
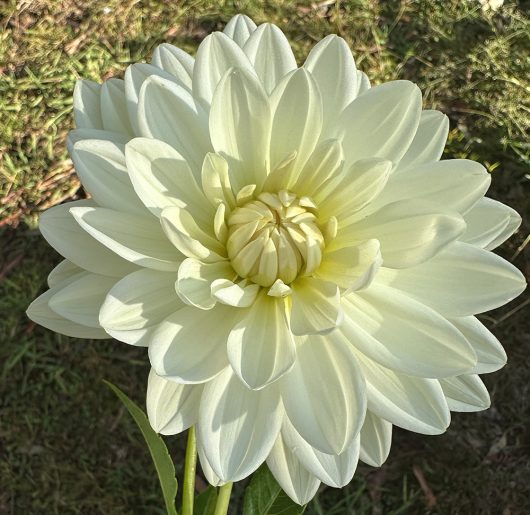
(302,267)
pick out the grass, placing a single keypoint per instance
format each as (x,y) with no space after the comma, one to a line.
(66,444)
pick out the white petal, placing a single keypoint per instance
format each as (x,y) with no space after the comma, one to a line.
(240,125)
(136,238)
(428,143)
(239,28)
(174,61)
(171,407)
(136,337)
(465,393)
(195,279)
(490,353)
(216,55)
(413,403)
(296,481)
(353,267)
(240,295)
(270,53)
(220,227)
(325,162)
(207,470)
(512,226)
(316,306)
(376,439)
(182,230)
(40,312)
(237,426)
(332,469)
(261,347)
(363,83)
(216,181)
(189,346)
(454,184)
(461,280)
(347,193)
(64,271)
(279,289)
(380,123)
(402,334)
(162,178)
(101,167)
(331,64)
(63,233)
(297,120)
(114,111)
(135,76)
(490,223)
(81,134)
(137,302)
(324,382)
(87,112)
(168,112)
(410,232)
(81,300)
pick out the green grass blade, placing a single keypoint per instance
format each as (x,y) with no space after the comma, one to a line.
(163,463)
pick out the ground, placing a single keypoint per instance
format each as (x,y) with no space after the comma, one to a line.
(66,445)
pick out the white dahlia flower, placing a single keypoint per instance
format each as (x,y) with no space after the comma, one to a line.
(285,240)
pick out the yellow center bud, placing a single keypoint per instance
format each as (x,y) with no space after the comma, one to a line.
(275,236)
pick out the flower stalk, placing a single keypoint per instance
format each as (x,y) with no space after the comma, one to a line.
(188,493)
(223,499)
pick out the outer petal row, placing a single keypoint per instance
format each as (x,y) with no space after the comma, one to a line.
(270,53)
(145,246)
(489,223)
(216,55)
(78,322)
(63,233)
(333,68)
(174,61)
(101,167)
(168,111)
(138,302)
(390,113)
(237,426)
(261,347)
(239,28)
(409,232)
(324,381)
(405,335)
(171,407)
(461,280)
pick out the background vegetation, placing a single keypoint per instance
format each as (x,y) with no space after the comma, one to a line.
(66,445)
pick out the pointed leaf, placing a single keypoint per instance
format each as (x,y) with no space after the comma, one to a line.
(264,496)
(204,503)
(163,464)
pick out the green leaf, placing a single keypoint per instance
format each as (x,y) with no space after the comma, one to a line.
(204,503)
(163,463)
(264,496)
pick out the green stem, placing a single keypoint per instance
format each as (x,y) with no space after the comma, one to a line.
(188,491)
(223,499)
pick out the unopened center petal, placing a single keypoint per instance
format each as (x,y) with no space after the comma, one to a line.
(274,236)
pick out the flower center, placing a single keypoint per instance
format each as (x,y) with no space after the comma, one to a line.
(275,236)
